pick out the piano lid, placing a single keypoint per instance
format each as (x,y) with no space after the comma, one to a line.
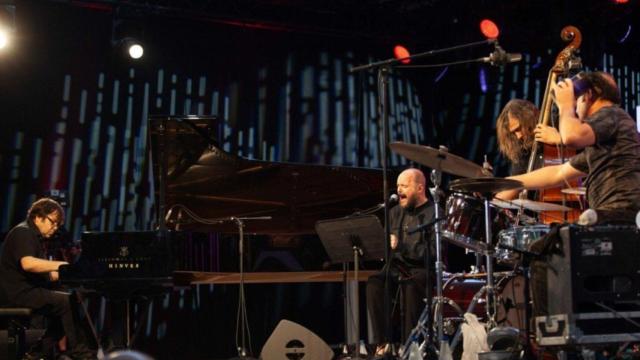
(215,184)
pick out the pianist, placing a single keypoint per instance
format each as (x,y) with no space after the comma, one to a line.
(27,279)
(407,265)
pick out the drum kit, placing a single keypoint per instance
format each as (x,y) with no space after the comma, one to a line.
(477,222)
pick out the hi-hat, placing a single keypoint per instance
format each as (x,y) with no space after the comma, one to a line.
(484,185)
(539,206)
(437,159)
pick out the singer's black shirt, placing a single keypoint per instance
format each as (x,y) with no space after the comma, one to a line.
(612,164)
(410,250)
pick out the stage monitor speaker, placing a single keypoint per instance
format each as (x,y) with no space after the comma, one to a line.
(593,287)
(599,264)
(295,342)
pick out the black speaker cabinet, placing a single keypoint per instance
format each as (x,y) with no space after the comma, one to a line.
(593,287)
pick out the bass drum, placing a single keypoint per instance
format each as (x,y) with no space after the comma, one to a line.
(459,290)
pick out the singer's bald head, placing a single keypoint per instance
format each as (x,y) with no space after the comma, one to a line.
(411,186)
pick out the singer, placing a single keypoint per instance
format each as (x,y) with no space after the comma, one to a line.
(610,159)
(407,265)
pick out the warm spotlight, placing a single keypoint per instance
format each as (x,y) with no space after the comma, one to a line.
(401,53)
(135,50)
(7,24)
(127,36)
(489,29)
(4,39)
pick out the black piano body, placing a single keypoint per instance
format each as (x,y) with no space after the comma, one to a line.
(123,264)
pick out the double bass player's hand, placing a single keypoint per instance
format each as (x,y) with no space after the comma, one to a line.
(546,134)
(563,95)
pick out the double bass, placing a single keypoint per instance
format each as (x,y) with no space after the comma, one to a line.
(566,61)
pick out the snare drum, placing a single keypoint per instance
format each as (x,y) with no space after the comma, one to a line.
(464,224)
(515,240)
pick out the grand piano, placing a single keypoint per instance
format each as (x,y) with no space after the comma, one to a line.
(199,187)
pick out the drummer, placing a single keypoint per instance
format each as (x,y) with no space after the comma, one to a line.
(610,161)
(407,263)
(517,131)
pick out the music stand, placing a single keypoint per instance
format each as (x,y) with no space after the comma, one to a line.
(353,239)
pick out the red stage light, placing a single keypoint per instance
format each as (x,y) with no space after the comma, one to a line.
(620,1)
(489,29)
(401,52)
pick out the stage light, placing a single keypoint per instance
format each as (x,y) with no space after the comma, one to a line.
(620,1)
(7,24)
(401,53)
(4,39)
(134,49)
(489,29)
(127,35)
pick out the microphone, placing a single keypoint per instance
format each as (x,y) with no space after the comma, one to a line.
(393,199)
(500,57)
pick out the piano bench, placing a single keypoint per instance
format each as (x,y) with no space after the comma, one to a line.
(16,320)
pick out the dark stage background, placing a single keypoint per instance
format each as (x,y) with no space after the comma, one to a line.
(73,111)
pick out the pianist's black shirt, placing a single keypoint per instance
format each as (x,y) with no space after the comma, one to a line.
(23,240)
(410,250)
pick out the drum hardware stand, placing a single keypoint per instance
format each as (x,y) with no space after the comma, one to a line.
(491,296)
(489,289)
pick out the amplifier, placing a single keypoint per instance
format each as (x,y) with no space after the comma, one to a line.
(593,287)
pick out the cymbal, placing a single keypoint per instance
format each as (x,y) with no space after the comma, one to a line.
(437,159)
(581,190)
(504,204)
(484,185)
(539,206)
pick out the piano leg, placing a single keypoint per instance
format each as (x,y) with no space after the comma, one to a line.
(127,325)
(100,352)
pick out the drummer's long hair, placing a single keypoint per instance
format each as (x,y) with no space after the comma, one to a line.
(509,145)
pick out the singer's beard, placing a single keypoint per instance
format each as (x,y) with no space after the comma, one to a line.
(410,205)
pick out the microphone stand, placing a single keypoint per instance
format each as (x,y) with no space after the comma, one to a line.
(242,306)
(384,67)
